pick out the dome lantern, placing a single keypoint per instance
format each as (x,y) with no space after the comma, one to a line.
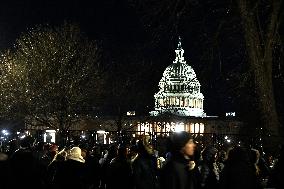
(179,53)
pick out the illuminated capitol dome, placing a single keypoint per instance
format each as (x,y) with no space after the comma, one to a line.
(179,90)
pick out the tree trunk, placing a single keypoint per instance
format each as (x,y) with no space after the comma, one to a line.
(62,134)
(119,125)
(260,45)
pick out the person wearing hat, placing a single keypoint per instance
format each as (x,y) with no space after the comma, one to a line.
(71,173)
(76,155)
(180,172)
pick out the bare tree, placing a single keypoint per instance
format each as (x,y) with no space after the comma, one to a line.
(51,77)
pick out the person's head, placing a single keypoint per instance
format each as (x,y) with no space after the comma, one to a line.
(84,149)
(133,150)
(238,154)
(112,151)
(209,154)
(222,156)
(40,146)
(182,143)
(75,154)
(145,146)
(122,151)
(27,142)
(84,153)
(61,156)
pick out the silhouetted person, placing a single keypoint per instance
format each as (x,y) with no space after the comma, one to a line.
(144,167)
(180,172)
(276,178)
(119,171)
(4,171)
(209,171)
(239,171)
(25,167)
(71,173)
(111,153)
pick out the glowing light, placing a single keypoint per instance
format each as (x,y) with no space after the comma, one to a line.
(101,131)
(22,137)
(5,132)
(197,129)
(49,136)
(179,127)
(201,128)
(101,137)
(192,128)
(230,114)
(130,113)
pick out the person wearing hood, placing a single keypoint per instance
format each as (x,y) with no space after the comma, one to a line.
(180,172)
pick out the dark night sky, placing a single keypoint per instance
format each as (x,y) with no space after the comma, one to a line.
(96,18)
(121,30)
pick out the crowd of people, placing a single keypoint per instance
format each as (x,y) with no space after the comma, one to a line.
(185,166)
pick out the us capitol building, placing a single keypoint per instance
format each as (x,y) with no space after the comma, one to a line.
(178,107)
(179,92)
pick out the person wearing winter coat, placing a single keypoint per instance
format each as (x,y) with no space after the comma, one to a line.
(54,166)
(275,180)
(119,171)
(24,167)
(209,171)
(180,172)
(71,172)
(4,173)
(239,171)
(144,167)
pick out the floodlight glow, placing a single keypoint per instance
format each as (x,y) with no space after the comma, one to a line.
(5,132)
(50,131)
(201,128)
(101,137)
(22,137)
(101,131)
(179,127)
(49,136)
